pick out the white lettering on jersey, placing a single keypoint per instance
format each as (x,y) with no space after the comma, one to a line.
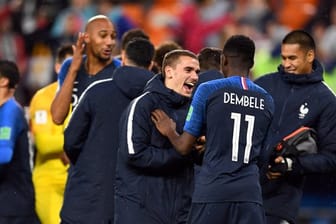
(245,101)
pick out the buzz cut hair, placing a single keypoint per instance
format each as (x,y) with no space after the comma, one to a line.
(140,51)
(132,34)
(210,58)
(63,51)
(300,37)
(95,18)
(241,49)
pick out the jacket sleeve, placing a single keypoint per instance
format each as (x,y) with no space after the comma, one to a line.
(11,126)
(325,159)
(77,130)
(144,147)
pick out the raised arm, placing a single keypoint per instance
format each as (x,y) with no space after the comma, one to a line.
(61,104)
(182,143)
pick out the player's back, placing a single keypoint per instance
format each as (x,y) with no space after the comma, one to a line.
(238,114)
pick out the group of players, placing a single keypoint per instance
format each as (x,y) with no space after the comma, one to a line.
(179,146)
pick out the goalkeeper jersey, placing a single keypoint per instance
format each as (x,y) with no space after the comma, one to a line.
(48,138)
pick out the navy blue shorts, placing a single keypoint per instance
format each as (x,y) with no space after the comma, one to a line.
(226,212)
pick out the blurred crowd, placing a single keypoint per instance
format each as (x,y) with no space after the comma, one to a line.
(31,31)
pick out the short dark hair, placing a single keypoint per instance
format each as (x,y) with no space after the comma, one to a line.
(172,57)
(10,70)
(301,37)
(130,35)
(162,49)
(140,51)
(63,51)
(241,49)
(210,58)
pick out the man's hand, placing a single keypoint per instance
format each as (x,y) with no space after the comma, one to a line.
(200,144)
(163,123)
(78,50)
(279,167)
(167,127)
(64,158)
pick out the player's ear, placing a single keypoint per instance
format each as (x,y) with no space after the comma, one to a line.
(311,56)
(168,72)
(224,60)
(57,67)
(86,38)
(151,65)
(4,81)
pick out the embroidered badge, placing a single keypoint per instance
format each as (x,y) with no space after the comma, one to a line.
(303,110)
(41,117)
(5,133)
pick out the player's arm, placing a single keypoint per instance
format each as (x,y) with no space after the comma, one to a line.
(182,143)
(8,134)
(142,146)
(61,104)
(325,158)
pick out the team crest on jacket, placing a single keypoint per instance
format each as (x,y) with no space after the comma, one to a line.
(303,110)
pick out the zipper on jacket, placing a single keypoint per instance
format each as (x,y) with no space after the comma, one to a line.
(285,106)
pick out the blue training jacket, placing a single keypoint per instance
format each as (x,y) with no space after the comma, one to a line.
(16,187)
(91,141)
(300,100)
(151,175)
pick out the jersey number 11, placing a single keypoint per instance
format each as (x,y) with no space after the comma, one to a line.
(235,138)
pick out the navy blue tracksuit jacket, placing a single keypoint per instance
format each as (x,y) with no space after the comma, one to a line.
(300,100)
(91,141)
(154,183)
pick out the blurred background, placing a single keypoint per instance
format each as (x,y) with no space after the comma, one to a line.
(31,31)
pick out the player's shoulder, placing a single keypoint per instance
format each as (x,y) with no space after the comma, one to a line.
(267,79)
(147,101)
(66,63)
(98,88)
(12,109)
(325,89)
(116,62)
(259,88)
(46,90)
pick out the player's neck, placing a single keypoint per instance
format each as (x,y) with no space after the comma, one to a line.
(93,65)
(238,73)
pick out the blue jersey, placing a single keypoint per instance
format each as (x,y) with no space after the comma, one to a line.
(16,187)
(83,79)
(12,123)
(235,114)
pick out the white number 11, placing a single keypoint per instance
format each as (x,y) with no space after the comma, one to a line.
(235,138)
